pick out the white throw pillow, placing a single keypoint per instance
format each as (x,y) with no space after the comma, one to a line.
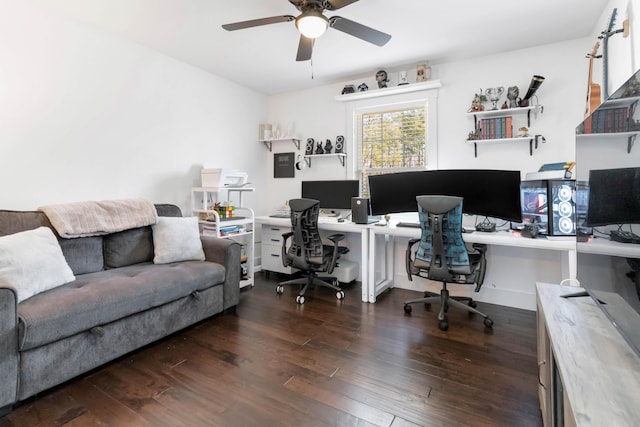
(176,239)
(32,262)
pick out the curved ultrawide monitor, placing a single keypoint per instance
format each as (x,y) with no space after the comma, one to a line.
(486,192)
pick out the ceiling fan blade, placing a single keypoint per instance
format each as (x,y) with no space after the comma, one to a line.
(258,22)
(358,30)
(337,4)
(305,48)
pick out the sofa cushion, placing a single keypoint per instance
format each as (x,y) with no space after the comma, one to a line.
(128,247)
(176,239)
(32,262)
(84,255)
(99,298)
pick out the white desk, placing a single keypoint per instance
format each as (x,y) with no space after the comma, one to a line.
(371,287)
(567,245)
(339,227)
(604,246)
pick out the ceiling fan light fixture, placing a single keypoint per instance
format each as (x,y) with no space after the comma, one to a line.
(312,24)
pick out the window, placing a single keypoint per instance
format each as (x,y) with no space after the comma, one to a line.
(393,133)
(391,140)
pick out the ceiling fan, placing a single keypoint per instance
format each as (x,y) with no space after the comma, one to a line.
(312,24)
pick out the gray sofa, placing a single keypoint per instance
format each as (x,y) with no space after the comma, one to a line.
(119,302)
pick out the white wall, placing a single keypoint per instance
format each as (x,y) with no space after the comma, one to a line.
(512,276)
(89,116)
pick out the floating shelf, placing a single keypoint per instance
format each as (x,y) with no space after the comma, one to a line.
(533,142)
(341,157)
(630,136)
(395,90)
(268,142)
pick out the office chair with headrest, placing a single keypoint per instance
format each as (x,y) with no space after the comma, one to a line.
(443,256)
(302,248)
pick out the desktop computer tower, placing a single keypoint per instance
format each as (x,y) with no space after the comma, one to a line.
(550,205)
(360,209)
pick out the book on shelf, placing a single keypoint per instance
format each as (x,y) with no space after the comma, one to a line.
(496,128)
(560,170)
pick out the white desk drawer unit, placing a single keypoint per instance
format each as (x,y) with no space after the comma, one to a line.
(272,248)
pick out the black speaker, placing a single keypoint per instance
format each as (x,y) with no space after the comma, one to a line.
(310,145)
(339,144)
(360,210)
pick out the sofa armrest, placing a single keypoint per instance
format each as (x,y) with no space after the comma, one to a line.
(8,345)
(227,253)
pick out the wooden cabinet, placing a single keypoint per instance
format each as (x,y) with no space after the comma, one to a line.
(240,227)
(517,118)
(271,248)
(588,374)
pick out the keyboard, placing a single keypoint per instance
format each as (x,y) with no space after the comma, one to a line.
(408,224)
(624,236)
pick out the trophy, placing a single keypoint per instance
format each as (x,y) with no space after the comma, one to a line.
(494,94)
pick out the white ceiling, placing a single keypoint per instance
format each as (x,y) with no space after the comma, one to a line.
(263,58)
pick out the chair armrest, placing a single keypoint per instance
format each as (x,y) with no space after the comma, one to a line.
(336,239)
(227,253)
(407,257)
(8,344)
(481,269)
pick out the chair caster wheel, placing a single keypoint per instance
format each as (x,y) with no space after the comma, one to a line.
(300,299)
(443,325)
(472,304)
(279,290)
(488,322)
(407,308)
(340,295)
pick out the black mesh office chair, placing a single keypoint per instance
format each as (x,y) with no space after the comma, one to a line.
(442,255)
(302,248)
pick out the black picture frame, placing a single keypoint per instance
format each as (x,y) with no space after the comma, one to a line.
(284,165)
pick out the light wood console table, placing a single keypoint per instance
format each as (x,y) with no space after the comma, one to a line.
(588,374)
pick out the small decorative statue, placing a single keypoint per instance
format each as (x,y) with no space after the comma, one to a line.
(382,79)
(363,87)
(504,106)
(476,103)
(512,96)
(474,135)
(348,89)
(328,147)
(319,149)
(523,132)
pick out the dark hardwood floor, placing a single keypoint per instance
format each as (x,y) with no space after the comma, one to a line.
(324,363)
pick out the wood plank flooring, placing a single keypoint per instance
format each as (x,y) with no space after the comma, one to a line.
(324,363)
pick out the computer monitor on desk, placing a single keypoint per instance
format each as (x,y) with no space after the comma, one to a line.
(486,193)
(334,196)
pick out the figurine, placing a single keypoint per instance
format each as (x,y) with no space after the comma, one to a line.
(523,132)
(363,87)
(319,149)
(382,79)
(512,96)
(328,147)
(504,106)
(476,103)
(348,89)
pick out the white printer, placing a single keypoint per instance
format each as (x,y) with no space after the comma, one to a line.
(221,177)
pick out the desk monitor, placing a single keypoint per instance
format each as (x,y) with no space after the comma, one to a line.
(490,193)
(332,194)
(614,197)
